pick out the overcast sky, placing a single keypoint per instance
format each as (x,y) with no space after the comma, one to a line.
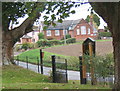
(81,12)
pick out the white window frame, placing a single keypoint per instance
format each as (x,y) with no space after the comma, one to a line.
(65,32)
(83,30)
(88,30)
(48,33)
(78,31)
(57,32)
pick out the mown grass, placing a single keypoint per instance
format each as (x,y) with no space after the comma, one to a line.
(15,77)
(34,56)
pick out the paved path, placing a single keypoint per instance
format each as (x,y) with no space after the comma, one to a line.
(72,75)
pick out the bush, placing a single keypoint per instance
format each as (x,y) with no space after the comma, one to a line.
(105,34)
(25,46)
(55,42)
(18,47)
(41,36)
(43,43)
(68,36)
(70,40)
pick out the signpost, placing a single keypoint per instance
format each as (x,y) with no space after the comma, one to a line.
(88,49)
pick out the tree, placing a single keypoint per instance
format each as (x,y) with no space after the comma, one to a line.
(111,16)
(14,10)
(96,19)
(41,36)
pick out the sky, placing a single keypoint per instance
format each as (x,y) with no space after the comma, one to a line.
(81,12)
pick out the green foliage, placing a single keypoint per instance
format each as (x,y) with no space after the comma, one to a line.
(26,46)
(88,18)
(18,47)
(70,40)
(96,19)
(20,9)
(55,42)
(41,36)
(68,36)
(43,43)
(105,34)
(18,78)
(103,65)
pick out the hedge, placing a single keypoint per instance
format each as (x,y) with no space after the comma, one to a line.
(70,40)
(105,34)
(45,42)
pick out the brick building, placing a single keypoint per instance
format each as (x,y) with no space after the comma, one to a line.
(79,29)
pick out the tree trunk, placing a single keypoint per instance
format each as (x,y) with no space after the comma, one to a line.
(7,49)
(10,37)
(112,17)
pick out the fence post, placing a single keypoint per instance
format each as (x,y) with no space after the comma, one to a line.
(38,64)
(18,60)
(41,61)
(66,70)
(53,68)
(27,61)
(82,79)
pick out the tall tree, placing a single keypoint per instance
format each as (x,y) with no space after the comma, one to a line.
(14,10)
(96,19)
(110,12)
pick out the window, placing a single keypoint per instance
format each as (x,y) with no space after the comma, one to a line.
(78,31)
(88,30)
(83,30)
(48,32)
(57,32)
(65,32)
(33,40)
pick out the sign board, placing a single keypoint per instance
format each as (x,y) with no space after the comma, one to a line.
(86,46)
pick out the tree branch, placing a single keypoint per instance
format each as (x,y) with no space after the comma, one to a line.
(26,26)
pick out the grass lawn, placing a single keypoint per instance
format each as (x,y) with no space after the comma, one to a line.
(15,77)
(33,55)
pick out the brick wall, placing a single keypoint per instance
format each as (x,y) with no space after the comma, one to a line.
(80,36)
(53,36)
(26,40)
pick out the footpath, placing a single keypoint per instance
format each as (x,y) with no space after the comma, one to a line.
(72,75)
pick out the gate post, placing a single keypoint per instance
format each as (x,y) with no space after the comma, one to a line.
(82,73)
(53,69)
(27,61)
(66,70)
(18,60)
(38,64)
(41,60)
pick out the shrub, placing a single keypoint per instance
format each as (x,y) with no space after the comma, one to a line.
(43,42)
(25,46)
(55,42)
(68,36)
(70,40)
(41,36)
(18,47)
(105,34)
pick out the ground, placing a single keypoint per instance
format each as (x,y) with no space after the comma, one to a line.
(102,48)
(15,78)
